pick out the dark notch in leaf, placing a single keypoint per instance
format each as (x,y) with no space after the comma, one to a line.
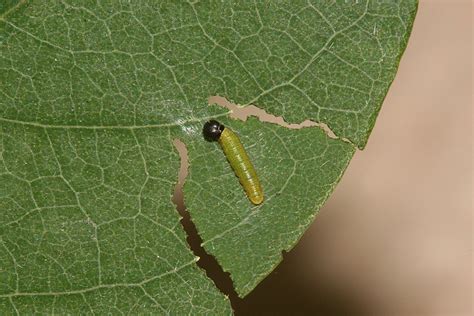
(206,261)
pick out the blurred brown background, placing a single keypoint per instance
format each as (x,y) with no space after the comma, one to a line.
(395,237)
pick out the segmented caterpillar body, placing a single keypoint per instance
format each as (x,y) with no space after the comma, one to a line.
(237,157)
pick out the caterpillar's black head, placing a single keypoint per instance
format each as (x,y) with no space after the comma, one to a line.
(212,130)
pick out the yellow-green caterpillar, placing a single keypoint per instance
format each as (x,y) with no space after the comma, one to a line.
(237,157)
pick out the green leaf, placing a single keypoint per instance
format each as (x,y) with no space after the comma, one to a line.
(92,95)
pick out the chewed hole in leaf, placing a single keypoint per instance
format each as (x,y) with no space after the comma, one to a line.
(206,261)
(243,112)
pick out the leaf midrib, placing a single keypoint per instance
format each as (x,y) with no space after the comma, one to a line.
(127,127)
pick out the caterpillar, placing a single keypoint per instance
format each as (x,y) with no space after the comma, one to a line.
(237,157)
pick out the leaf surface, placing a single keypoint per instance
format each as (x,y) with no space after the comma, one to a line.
(92,95)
